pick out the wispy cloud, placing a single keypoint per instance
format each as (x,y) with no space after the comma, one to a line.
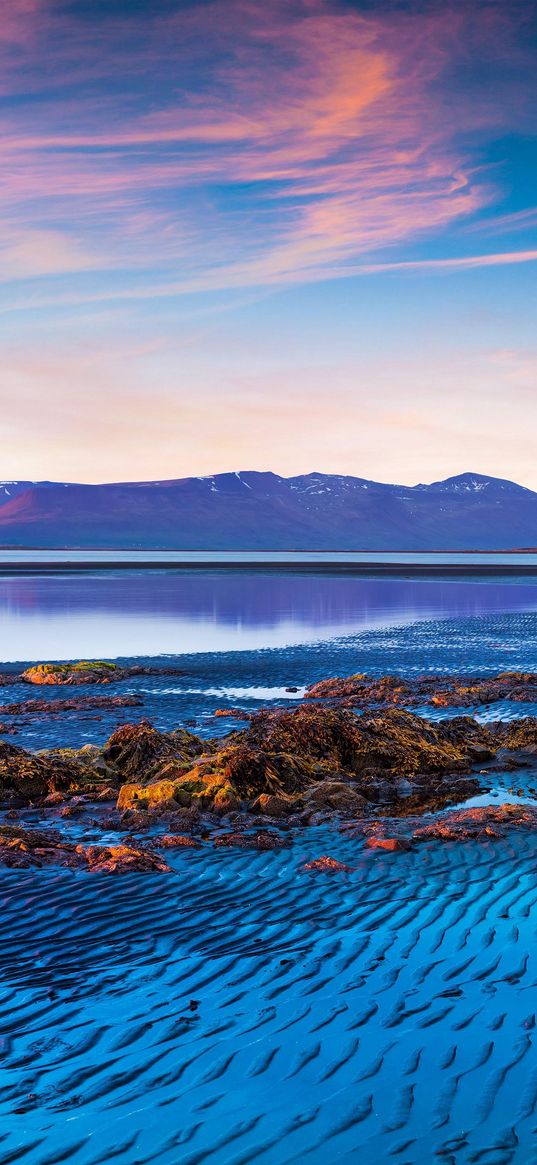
(305,137)
(456,263)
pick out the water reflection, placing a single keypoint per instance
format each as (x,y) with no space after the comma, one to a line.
(150,613)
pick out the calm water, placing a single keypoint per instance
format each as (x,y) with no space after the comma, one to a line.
(130,613)
(240,1010)
(285,558)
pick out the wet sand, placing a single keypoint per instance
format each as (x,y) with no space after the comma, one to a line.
(241,1009)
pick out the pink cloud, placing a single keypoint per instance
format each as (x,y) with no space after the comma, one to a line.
(333,134)
(35,252)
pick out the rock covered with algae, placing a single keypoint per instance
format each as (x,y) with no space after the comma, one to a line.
(27,777)
(455,691)
(83,672)
(315,759)
(312,757)
(87,671)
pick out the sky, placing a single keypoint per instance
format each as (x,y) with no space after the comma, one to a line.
(293,235)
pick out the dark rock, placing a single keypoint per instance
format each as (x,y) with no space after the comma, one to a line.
(37,708)
(259,841)
(455,691)
(29,777)
(328,757)
(273,805)
(337,796)
(480,822)
(177,841)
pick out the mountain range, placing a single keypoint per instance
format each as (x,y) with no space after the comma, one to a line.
(263,511)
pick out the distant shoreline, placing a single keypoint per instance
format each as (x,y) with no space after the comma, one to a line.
(427,565)
(10,549)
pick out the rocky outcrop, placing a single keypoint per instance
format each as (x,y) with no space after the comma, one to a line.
(23,848)
(116,859)
(83,672)
(26,777)
(312,758)
(87,671)
(455,691)
(304,764)
(334,741)
(481,822)
(38,708)
(518,735)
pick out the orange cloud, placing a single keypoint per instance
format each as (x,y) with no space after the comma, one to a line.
(302,136)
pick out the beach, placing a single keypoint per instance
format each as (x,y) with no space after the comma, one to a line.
(250,998)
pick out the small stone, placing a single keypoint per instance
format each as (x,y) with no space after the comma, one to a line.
(327,865)
(178,841)
(390,844)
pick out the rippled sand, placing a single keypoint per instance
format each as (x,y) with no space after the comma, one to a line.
(241,1009)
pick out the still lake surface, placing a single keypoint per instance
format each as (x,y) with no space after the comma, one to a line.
(148,613)
(239,1009)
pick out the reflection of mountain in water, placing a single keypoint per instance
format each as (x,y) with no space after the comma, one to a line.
(258,600)
(141,613)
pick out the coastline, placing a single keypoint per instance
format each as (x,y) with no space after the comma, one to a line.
(361,564)
(175,956)
(355,752)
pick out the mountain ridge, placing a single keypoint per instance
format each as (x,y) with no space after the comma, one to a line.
(261,510)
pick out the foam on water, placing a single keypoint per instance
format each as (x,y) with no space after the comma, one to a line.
(265,694)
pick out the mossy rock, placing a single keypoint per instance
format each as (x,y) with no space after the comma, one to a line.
(208,791)
(191,789)
(157,795)
(86,671)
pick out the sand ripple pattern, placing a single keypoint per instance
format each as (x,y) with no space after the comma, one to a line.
(242,1010)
